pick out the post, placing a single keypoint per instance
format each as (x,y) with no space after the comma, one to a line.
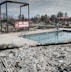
(28,16)
(6,18)
(0,19)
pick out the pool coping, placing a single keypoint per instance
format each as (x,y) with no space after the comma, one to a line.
(49,44)
(14,38)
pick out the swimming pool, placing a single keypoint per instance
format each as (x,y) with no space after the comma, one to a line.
(50,37)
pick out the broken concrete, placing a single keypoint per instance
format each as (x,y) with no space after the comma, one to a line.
(56,58)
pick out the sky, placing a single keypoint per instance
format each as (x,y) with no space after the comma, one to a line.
(40,7)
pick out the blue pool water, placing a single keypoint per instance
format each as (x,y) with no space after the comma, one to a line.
(50,37)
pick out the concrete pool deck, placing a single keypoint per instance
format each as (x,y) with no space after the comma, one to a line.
(13,38)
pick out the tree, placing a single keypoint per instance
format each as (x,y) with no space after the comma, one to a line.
(52,18)
(22,17)
(66,14)
(42,18)
(32,19)
(46,18)
(60,14)
(19,17)
(35,19)
(38,18)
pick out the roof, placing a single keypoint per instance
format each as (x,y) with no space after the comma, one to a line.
(63,17)
(23,3)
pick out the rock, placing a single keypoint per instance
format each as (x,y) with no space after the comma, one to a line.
(17,65)
(60,61)
(36,59)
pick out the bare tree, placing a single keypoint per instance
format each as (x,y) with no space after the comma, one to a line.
(60,14)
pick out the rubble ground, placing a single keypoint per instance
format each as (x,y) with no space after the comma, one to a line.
(55,58)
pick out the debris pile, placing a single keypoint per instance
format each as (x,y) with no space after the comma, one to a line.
(56,58)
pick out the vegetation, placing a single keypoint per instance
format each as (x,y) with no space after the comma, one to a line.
(60,19)
(45,18)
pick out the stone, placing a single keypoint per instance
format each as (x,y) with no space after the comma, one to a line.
(36,59)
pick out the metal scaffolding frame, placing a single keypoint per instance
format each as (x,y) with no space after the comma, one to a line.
(6,2)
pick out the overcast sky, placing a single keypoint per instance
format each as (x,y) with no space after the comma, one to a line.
(40,7)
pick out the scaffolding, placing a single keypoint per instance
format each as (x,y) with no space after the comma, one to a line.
(16,2)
